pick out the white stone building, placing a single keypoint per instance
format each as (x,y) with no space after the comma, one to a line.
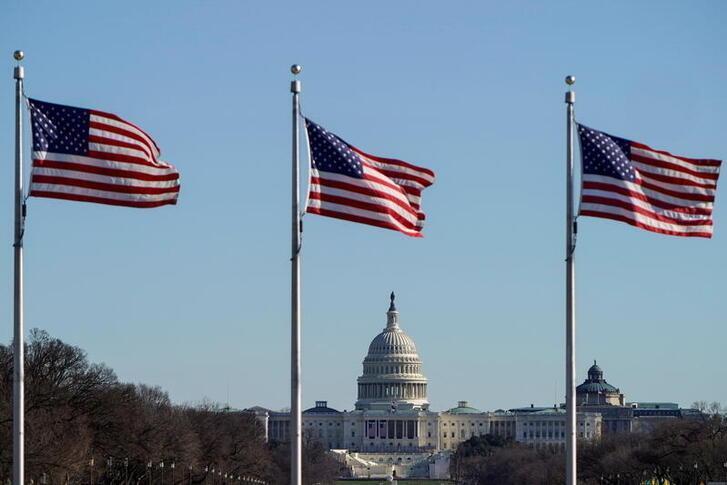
(392,429)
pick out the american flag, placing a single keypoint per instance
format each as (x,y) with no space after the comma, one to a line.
(347,183)
(652,189)
(91,156)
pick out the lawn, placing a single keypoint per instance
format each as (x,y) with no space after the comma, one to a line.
(400,482)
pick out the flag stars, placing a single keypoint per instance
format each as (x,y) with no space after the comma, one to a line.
(332,154)
(61,129)
(606,155)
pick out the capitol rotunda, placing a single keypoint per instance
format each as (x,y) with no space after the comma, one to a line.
(392,370)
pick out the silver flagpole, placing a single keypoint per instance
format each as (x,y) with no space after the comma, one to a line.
(296,476)
(571,427)
(19,350)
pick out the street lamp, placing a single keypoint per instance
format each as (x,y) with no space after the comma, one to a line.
(126,470)
(172,467)
(161,465)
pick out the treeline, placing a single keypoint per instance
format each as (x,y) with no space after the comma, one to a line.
(84,426)
(676,451)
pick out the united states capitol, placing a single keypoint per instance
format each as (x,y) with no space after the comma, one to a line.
(393,431)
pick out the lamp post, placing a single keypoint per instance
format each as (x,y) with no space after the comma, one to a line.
(161,466)
(190,474)
(172,467)
(126,471)
(149,470)
(91,466)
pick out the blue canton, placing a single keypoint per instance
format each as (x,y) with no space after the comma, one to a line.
(605,154)
(331,154)
(58,128)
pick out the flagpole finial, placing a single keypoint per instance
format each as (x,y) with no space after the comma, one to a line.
(570,80)
(18,71)
(296,69)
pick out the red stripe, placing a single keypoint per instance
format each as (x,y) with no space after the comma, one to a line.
(102,200)
(616,217)
(120,157)
(676,193)
(89,184)
(671,166)
(658,203)
(383,181)
(644,212)
(381,209)
(674,180)
(696,161)
(111,172)
(363,191)
(118,143)
(404,177)
(121,131)
(359,219)
(117,118)
(393,161)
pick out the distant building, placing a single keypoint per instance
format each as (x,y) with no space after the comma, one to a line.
(392,431)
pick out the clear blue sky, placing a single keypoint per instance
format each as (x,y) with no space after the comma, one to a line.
(195,297)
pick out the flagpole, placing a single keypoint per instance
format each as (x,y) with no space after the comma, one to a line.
(295,387)
(19,350)
(570,305)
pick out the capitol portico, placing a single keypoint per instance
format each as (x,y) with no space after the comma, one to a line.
(391,429)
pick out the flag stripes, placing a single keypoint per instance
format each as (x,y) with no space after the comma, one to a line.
(93,156)
(651,189)
(350,184)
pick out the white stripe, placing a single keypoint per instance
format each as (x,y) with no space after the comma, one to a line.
(364,183)
(413,199)
(645,170)
(117,137)
(645,205)
(97,162)
(127,127)
(398,168)
(105,179)
(69,189)
(673,160)
(101,147)
(648,193)
(645,219)
(315,188)
(359,212)
(684,189)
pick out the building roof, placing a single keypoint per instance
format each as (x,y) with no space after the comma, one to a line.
(595,382)
(590,386)
(464,408)
(321,407)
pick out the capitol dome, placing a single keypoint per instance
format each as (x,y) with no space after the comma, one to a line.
(392,370)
